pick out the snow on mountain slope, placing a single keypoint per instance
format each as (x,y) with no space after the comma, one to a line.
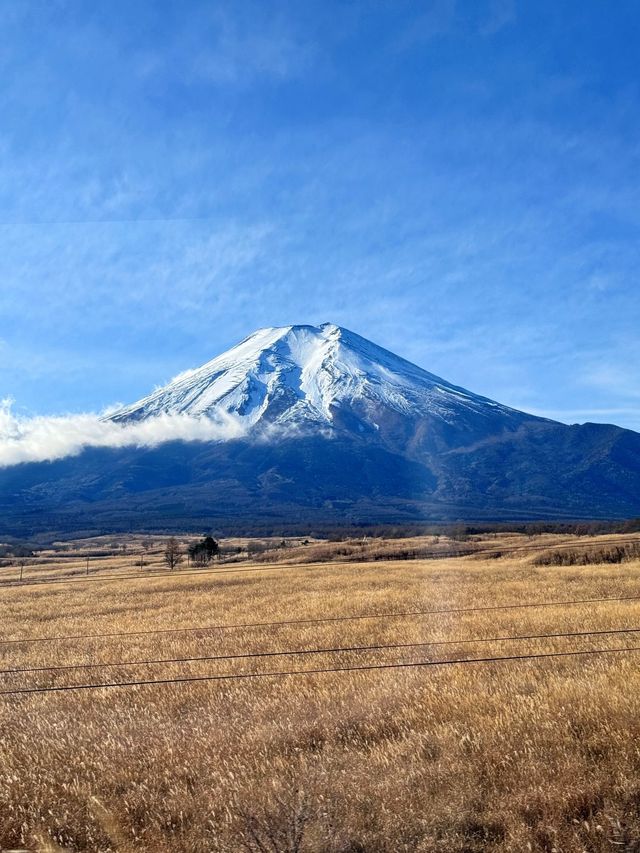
(307,376)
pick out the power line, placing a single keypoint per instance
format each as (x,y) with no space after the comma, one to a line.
(318,651)
(152,574)
(292,672)
(468,552)
(324,619)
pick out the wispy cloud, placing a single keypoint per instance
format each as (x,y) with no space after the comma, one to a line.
(45,439)
(614,379)
(170,182)
(257,43)
(436,20)
(501,13)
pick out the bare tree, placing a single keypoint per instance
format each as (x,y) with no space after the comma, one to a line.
(172,554)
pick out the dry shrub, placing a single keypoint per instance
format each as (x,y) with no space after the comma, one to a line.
(592,555)
(275,827)
(369,550)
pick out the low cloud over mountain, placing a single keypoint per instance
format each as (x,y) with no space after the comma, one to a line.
(45,439)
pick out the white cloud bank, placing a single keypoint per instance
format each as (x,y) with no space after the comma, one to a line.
(45,439)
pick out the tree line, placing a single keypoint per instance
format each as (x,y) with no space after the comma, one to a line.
(199,553)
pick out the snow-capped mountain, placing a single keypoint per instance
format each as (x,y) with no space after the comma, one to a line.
(333,429)
(309,377)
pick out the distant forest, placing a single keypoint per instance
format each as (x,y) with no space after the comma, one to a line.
(334,533)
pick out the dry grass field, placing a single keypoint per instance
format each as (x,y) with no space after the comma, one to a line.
(541,754)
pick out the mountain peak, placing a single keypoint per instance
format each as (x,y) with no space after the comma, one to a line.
(303,376)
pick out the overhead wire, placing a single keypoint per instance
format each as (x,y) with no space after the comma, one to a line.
(401,614)
(318,671)
(319,651)
(462,552)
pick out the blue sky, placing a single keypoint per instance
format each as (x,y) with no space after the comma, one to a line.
(458,181)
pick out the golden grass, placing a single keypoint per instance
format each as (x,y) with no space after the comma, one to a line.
(535,755)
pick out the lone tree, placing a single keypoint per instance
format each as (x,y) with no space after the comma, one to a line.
(172,553)
(201,553)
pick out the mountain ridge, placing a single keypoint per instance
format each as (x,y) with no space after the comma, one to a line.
(337,430)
